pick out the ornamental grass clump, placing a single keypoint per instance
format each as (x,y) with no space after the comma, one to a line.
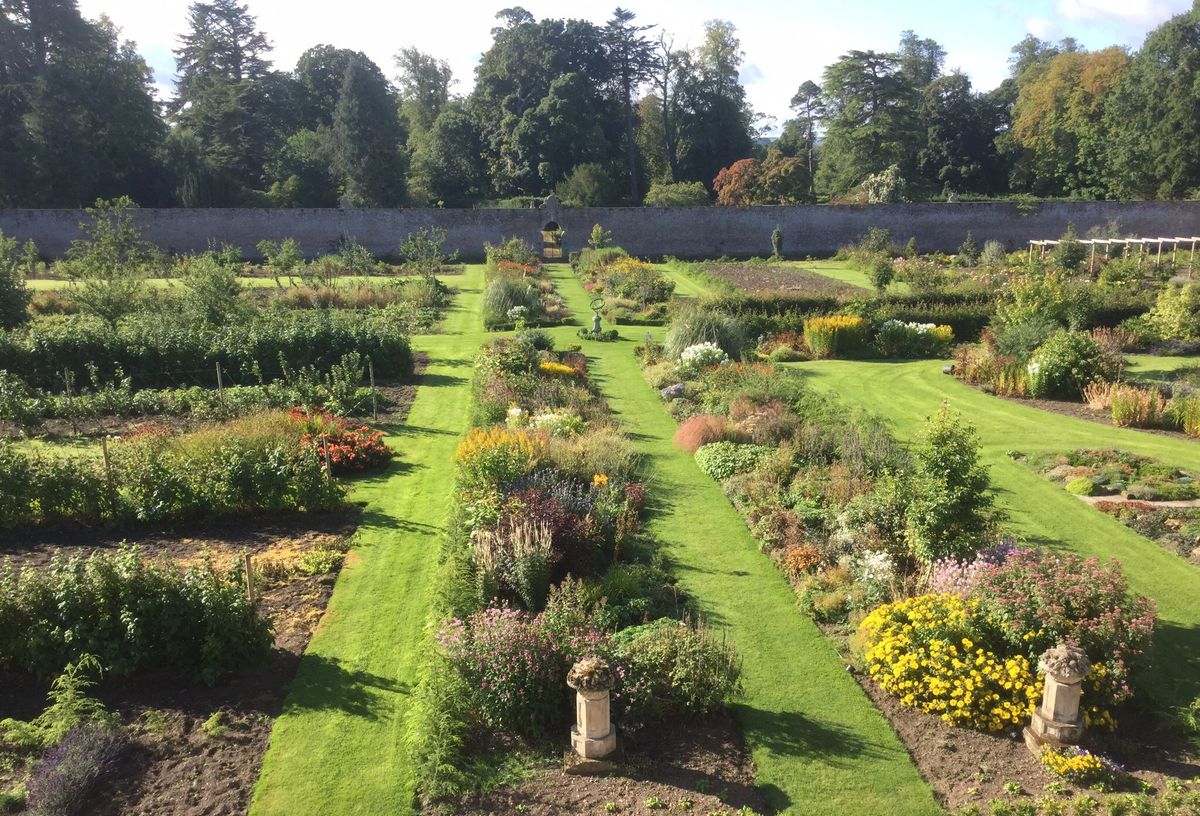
(1134,407)
(930,653)
(836,335)
(697,431)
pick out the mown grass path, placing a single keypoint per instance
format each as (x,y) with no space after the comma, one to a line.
(337,747)
(1043,513)
(818,743)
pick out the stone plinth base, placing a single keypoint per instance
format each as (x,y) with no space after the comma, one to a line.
(1043,731)
(593,747)
(574,764)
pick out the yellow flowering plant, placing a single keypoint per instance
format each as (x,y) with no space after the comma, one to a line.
(829,336)
(929,653)
(1082,767)
(553,369)
(497,455)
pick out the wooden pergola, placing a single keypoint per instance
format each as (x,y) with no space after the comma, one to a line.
(1143,245)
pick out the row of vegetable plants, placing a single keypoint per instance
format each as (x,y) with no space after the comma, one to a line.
(266,462)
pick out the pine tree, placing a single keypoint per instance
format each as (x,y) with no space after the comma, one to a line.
(367,140)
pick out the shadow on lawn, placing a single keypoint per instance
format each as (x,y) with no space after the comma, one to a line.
(791,733)
(440,380)
(386,521)
(324,684)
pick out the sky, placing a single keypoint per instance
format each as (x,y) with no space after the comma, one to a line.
(785,43)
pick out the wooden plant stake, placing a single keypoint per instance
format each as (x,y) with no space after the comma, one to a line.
(107,461)
(248,563)
(374,406)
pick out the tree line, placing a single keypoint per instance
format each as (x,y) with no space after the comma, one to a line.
(601,114)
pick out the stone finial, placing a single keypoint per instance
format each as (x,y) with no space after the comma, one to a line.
(591,674)
(1065,663)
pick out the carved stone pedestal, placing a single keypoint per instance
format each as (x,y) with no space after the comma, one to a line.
(1058,721)
(593,737)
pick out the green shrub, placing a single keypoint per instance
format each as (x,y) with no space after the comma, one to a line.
(679,670)
(1083,487)
(723,460)
(677,194)
(154,351)
(109,262)
(1069,252)
(1176,315)
(132,614)
(881,272)
(1065,364)
(213,290)
(950,511)
(424,251)
(14,295)
(282,258)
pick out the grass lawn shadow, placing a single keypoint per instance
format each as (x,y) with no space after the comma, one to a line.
(324,683)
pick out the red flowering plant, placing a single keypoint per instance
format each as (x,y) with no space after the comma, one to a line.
(352,448)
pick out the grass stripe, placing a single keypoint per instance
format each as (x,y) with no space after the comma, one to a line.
(818,743)
(337,747)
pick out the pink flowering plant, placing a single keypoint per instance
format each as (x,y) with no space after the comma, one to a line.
(1036,599)
(515,665)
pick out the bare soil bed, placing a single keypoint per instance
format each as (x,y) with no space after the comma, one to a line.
(704,763)
(197,749)
(968,767)
(765,278)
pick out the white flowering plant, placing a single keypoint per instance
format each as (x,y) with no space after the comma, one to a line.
(700,356)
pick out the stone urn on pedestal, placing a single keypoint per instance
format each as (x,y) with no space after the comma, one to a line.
(593,737)
(1058,721)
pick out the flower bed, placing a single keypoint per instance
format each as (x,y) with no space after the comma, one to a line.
(254,464)
(517,290)
(547,564)
(632,290)
(903,547)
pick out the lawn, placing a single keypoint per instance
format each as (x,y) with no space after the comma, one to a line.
(1042,513)
(818,743)
(1157,369)
(687,285)
(337,748)
(842,271)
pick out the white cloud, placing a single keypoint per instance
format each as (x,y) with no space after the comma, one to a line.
(1041,28)
(1143,12)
